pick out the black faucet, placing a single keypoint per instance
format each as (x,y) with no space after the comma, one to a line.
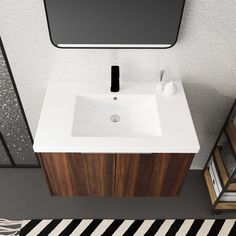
(115,79)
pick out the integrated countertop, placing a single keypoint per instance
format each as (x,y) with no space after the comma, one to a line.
(54,132)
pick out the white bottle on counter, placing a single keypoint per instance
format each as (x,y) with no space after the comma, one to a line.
(170,88)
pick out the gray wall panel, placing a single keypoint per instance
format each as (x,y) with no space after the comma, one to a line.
(12,124)
(3,156)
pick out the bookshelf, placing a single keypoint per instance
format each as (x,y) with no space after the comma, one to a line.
(220,170)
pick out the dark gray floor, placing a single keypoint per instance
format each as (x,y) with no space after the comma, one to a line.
(24,195)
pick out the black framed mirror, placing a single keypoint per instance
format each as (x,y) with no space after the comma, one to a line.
(114,24)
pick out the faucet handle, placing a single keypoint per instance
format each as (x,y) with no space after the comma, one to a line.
(115,71)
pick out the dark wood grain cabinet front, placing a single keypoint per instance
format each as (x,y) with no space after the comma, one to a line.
(118,175)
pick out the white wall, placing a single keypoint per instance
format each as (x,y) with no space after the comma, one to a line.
(204,58)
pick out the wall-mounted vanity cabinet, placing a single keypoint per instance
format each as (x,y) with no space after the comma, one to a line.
(146,151)
(117,175)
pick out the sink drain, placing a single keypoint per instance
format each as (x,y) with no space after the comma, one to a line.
(114,118)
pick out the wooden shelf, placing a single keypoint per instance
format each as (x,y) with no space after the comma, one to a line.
(226,206)
(210,186)
(232,187)
(221,167)
(231,133)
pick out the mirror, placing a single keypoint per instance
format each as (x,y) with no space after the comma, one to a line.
(114,23)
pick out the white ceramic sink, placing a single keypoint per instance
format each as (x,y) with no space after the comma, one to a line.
(76,117)
(127,115)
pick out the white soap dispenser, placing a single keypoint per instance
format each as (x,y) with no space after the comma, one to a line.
(160,84)
(170,88)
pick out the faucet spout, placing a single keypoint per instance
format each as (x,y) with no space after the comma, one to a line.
(115,79)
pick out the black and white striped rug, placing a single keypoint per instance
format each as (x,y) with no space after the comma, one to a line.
(107,227)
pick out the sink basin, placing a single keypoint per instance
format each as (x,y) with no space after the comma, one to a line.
(84,117)
(127,115)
